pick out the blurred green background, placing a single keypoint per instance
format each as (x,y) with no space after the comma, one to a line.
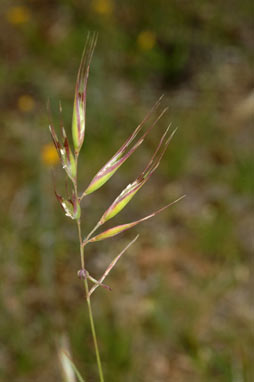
(181,308)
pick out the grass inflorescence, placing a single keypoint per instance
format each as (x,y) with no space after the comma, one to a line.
(72,204)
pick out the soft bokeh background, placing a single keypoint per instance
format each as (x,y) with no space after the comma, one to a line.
(182,303)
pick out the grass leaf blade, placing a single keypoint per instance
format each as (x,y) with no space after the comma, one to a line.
(75,369)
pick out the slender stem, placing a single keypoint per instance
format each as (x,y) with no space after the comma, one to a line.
(90,312)
(83,195)
(90,234)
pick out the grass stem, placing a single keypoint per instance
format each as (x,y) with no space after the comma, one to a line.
(86,287)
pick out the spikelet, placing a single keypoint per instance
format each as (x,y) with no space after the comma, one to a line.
(79,108)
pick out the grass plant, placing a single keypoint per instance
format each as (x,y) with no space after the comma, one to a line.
(72,204)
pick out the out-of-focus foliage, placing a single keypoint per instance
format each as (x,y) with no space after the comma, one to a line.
(181,308)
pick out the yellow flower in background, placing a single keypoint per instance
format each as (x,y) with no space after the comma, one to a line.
(18,15)
(49,155)
(104,7)
(26,103)
(146,40)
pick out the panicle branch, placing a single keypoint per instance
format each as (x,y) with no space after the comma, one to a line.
(111,266)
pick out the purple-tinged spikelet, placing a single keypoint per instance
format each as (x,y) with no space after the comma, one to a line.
(64,152)
(123,227)
(128,193)
(79,108)
(70,206)
(122,154)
